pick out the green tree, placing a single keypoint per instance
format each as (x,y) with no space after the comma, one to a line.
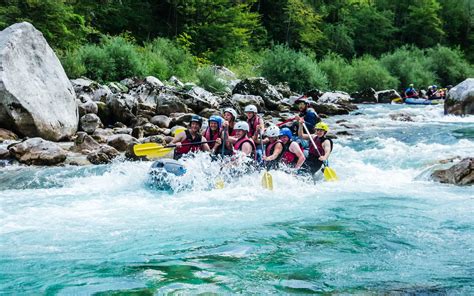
(373,30)
(424,27)
(56,19)
(368,72)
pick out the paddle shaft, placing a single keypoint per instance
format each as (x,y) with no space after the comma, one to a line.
(286,121)
(189,144)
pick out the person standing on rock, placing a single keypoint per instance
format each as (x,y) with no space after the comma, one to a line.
(184,140)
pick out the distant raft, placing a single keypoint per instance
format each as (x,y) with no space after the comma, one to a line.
(163,171)
(420,101)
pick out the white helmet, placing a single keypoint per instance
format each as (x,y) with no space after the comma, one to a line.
(251,108)
(272,131)
(231,111)
(242,125)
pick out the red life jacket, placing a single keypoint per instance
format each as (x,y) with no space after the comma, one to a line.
(253,123)
(231,131)
(287,156)
(271,148)
(241,141)
(319,143)
(211,136)
(189,148)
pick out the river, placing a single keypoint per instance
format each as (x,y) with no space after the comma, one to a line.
(383,228)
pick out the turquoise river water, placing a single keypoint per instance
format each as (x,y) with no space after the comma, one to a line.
(384,228)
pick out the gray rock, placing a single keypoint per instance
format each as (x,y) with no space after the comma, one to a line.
(365,96)
(146,110)
(330,109)
(208,112)
(259,86)
(122,131)
(36,97)
(105,154)
(87,107)
(4,153)
(244,100)
(170,103)
(161,121)
(176,81)
(335,98)
(121,142)
(386,96)
(138,132)
(85,143)
(461,173)
(122,108)
(37,151)
(90,122)
(95,91)
(150,129)
(101,135)
(117,87)
(198,99)
(6,135)
(401,117)
(284,90)
(224,73)
(460,99)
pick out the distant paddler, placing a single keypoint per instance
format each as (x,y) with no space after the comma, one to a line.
(188,137)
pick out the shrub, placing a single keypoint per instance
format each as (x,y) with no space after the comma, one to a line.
(367,72)
(245,63)
(449,65)
(164,58)
(282,64)
(338,72)
(409,65)
(124,57)
(208,80)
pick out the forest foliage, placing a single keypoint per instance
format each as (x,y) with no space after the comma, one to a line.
(328,44)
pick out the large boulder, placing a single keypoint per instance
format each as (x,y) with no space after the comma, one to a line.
(198,99)
(461,173)
(460,99)
(90,122)
(122,107)
(365,96)
(170,103)
(38,151)
(147,91)
(121,142)
(84,143)
(244,100)
(386,96)
(103,155)
(36,97)
(259,86)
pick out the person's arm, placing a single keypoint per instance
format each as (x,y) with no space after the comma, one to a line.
(247,148)
(295,148)
(178,139)
(205,146)
(300,130)
(327,150)
(276,152)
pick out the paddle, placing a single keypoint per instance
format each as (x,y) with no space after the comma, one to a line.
(286,121)
(329,173)
(267,179)
(220,181)
(156,150)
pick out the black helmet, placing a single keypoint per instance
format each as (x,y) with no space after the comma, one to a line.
(302,100)
(197,118)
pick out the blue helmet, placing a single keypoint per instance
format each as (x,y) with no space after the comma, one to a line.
(286,132)
(218,119)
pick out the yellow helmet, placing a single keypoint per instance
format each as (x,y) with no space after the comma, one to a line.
(322,125)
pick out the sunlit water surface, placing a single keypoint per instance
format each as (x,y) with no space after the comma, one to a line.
(383,228)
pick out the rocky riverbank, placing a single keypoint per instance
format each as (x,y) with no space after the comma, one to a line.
(47,119)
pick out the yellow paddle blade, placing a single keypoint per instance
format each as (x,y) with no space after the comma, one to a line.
(267,181)
(151,150)
(330,174)
(219,184)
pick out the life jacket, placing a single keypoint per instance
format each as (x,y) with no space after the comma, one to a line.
(211,136)
(319,143)
(287,156)
(271,148)
(253,123)
(231,131)
(241,141)
(189,148)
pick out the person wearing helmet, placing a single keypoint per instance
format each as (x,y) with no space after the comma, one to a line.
(308,114)
(292,154)
(241,140)
(433,93)
(255,123)
(274,147)
(213,130)
(319,154)
(230,117)
(185,140)
(411,92)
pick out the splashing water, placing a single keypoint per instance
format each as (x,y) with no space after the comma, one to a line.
(383,228)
